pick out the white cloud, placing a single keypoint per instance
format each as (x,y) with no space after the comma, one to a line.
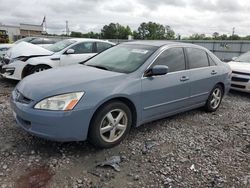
(184,16)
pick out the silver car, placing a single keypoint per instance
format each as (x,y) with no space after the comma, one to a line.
(124,86)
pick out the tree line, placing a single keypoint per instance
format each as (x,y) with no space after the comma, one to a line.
(150,31)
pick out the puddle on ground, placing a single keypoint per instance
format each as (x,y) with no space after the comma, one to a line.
(37,177)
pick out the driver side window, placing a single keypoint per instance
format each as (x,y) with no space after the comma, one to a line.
(173,58)
(82,48)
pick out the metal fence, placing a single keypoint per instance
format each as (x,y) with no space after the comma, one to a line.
(225,50)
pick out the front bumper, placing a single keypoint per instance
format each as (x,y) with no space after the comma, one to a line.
(53,125)
(240,82)
(13,70)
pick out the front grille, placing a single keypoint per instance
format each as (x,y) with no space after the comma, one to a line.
(236,79)
(238,86)
(243,73)
(21,98)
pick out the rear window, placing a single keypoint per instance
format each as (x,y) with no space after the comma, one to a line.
(197,58)
(101,46)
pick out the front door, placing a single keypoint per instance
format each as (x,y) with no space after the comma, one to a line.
(82,52)
(168,93)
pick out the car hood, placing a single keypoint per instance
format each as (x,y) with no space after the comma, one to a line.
(27,49)
(240,66)
(64,80)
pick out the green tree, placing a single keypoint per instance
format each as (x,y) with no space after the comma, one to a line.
(115,31)
(151,31)
(246,37)
(76,34)
(170,34)
(234,37)
(216,35)
(223,37)
(91,35)
(197,36)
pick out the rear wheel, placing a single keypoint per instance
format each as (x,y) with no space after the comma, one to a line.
(110,125)
(38,68)
(214,99)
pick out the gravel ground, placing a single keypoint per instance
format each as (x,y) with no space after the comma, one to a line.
(192,149)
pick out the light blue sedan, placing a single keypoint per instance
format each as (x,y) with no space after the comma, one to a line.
(127,85)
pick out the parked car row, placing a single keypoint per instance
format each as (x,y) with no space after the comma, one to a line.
(124,86)
(26,58)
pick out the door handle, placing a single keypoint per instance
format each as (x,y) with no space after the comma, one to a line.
(184,78)
(213,72)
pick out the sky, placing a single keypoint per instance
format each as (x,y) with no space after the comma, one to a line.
(186,17)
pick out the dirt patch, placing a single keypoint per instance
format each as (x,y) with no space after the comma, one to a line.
(36,177)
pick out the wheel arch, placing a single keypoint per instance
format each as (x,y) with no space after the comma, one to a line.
(124,100)
(28,67)
(222,85)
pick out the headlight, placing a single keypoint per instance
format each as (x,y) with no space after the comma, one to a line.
(21,58)
(63,102)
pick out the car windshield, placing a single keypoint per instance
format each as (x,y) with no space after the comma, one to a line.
(57,47)
(125,58)
(27,39)
(244,58)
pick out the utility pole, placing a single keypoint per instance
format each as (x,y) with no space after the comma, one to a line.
(67,28)
(233,32)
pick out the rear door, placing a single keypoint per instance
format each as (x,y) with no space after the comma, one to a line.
(167,93)
(203,75)
(102,46)
(83,51)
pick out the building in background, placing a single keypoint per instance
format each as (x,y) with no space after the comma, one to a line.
(23,30)
(27,30)
(12,31)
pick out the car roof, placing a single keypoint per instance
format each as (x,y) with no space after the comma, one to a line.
(88,39)
(160,43)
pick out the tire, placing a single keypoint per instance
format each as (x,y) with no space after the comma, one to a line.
(38,68)
(106,130)
(214,99)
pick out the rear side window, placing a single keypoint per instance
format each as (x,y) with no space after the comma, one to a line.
(82,48)
(173,58)
(197,58)
(101,46)
(211,61)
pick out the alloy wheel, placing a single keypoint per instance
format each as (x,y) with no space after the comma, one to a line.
(216,98)
(113,125)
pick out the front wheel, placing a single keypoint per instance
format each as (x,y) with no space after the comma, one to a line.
(110,125)
(214,99)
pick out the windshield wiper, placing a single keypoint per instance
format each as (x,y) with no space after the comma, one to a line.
(99,67)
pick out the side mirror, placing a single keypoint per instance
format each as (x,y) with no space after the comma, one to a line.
(70,51)
(156,70)
(234,58)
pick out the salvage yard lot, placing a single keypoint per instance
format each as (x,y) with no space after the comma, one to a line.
(192,149)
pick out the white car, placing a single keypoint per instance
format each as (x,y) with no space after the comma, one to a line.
(241,73)
(40,41)
(4,48)
(25,58)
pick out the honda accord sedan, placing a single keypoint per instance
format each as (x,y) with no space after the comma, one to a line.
(124,86)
